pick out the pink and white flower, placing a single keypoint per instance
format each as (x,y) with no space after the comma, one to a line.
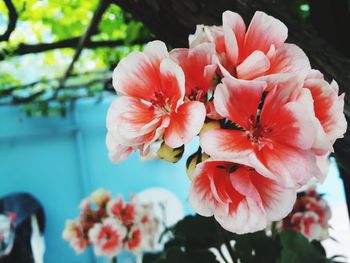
(74,234)
(134,239)
(272,131)
(310,216)
(151,105)
(307,224)
(107,237)
(240,199)
(328,105)
(276,121)
(110,225)
(125,212)
(252,53)
(199,69)
(328,108)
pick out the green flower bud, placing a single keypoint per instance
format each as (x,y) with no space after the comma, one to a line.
(169,154)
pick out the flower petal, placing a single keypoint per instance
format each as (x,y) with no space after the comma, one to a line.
(249,217)
(323,164)
(135,76)
(131,122)
(238,100)
(197,65)
(200,196)
(264,31)
(289,58)
(226,144)
(277,201)
(116,152)
(328,107)
(156,51)
(172,82)
(288,114)
(253,66)
(289,166)
(242,182)
(185,124)
(234,31)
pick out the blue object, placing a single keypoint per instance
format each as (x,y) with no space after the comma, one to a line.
(62,160)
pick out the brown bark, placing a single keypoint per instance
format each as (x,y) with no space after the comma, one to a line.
(66,43)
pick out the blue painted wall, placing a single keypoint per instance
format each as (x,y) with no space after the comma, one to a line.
(61,160)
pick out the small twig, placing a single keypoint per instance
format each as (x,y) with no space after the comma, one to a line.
(13,16)
(227,243)
(101,8)
(274,229)
(229,247)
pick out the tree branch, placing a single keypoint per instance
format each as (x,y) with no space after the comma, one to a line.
(13,16)
(8,90)
(101,8)
(106,81)
(24,49)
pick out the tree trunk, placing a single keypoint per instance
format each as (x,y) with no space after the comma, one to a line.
(173,20)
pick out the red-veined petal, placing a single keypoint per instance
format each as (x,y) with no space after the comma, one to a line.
(290,167)
(253,66)
(248,217)
(234,31)
(289,58)
(277,200)
(238,100)
(172,82)
(197,65)
(185,124)
(136,76)
(156,51)
(328,107)
(116,152)
(132,122)
(264,31)
(226,144)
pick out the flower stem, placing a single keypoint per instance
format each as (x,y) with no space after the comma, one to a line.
(274,230)
(229,248)
(227,243)
(222,254)
(114,260)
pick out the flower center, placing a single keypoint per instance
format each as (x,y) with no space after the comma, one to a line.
(195,94)
(160,101)
(257,133)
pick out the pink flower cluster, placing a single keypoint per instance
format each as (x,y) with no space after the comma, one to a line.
(111,225)
(310,216)
(275,118)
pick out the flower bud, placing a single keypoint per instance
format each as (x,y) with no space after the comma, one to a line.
(100,197)
(169,154)
(192,162)
(209,126)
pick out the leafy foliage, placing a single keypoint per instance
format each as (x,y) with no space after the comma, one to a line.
(33,80)
(195,237)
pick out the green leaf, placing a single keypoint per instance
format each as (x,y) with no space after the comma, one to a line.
(199,232)
(296,249)
(257,247)
(178,254)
